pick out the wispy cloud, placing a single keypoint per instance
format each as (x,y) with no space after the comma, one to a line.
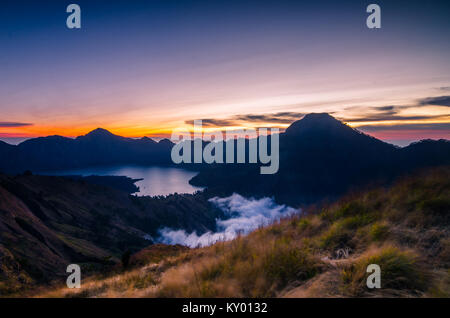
(409,127)
(353,114)
(278,118)
(437,101)
(391,112)
(210,122)
(238,120)
(388,117)
(8,124)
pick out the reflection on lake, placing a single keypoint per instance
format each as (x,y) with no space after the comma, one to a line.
(156,180)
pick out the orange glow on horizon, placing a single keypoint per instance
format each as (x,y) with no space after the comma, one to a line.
(164,132)
(164,129)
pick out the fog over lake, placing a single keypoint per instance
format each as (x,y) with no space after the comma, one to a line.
(156,180)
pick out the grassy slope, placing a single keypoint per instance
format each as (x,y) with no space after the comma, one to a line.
(404,229)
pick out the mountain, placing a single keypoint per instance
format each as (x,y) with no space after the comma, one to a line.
(99,147)
(47,223)
(7,152)
(322,158)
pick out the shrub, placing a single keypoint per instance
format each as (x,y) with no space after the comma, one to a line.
(378,231)
(356,221)
(351,208)
(303,224)
(336,236)
(285,263)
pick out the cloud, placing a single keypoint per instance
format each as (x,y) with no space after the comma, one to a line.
(279,118)
(438,101)
(244,215)
(351,114)
(384,113)
(386,108)
(9,124)
(210,122)
(380,113)
(239,120)
(388,117)
(444,88)
(419,127)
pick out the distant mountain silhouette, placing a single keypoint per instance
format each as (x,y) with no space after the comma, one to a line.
(320,157)
(99,147)
(6,149)
(316,122)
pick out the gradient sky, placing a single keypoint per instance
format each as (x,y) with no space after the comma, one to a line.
(146,67)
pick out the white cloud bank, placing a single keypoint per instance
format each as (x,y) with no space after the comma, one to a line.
(243,216)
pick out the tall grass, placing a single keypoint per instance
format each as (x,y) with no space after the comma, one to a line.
(400,270)
(244,268)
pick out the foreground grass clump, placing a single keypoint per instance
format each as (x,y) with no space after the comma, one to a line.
(322,253)
(243,268)
(400,271)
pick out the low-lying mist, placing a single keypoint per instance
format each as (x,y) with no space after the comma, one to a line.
(243,215)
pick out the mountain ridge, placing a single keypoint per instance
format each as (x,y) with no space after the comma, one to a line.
(98,147)
(320,157)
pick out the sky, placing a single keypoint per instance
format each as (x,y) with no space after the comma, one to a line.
(144,68)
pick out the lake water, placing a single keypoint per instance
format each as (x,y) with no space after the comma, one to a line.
(156,180)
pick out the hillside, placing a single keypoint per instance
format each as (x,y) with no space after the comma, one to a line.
(324,253)
(47,223)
